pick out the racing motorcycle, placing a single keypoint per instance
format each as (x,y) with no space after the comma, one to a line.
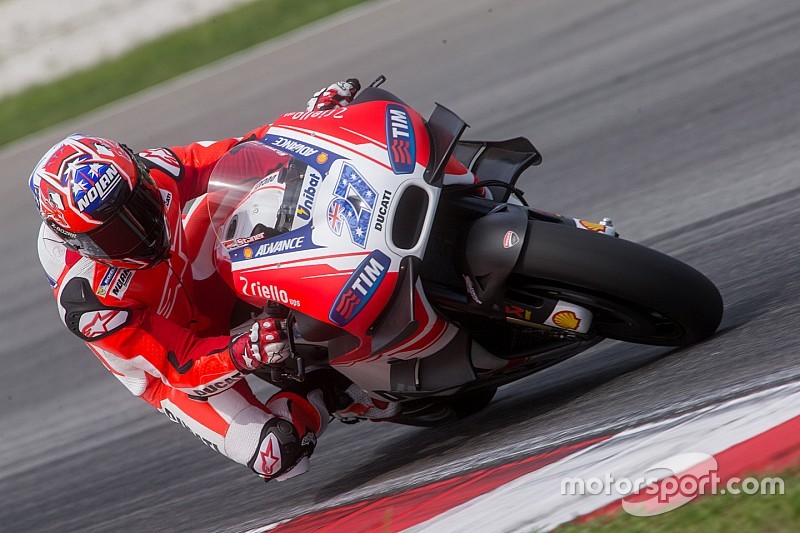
(430,294)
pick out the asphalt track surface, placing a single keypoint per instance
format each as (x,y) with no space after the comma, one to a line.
(678,119)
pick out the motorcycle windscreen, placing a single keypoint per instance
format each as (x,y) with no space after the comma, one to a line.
(252,194)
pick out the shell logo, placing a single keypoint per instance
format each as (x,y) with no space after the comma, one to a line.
(567,320)
(322,158)
(248,253)
(593,226)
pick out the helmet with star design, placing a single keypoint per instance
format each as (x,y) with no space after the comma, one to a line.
(99,198)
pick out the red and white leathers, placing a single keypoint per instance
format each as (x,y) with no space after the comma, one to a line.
(164,331)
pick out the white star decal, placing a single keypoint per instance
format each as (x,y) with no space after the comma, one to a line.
(94,169)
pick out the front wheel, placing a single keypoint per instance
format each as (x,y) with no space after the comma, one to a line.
(636,294)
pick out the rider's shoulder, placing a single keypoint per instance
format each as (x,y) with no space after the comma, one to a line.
(164,160)
(61,265)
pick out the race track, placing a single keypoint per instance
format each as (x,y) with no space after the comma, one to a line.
(677,119)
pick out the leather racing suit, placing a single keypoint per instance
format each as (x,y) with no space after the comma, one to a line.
(164,331)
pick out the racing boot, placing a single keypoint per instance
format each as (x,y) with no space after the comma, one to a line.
(289,436)
(358,405)
(344,400)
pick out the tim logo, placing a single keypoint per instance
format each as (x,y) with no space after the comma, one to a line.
(94,183)
(360,288)
(353,206)
(400,140)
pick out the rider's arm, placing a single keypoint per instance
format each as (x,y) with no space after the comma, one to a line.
(139,345)
(191,165)
(160,348)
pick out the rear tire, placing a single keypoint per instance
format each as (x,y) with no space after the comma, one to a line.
(637,294)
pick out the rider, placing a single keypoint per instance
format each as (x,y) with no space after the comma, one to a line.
(134,277)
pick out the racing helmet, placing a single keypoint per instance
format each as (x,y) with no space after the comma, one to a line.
(99,198)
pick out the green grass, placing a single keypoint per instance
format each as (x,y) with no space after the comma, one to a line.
(717,513)
(157,61)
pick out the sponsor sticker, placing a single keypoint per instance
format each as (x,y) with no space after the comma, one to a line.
(122,283)
(571,317)
(218,386)
(256,246)
(280,246)
(234,244)
(517,311)
(338,112)
(360,288)
(105,283)
(272,178)
(274,293)
(400,140)
(167,197)
(305,205)
(591,226)
(383,209)
(310,154)
(94,183)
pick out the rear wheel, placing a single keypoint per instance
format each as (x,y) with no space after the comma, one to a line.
(636,294)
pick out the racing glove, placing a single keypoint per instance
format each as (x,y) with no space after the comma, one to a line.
(337,94)
(264,344)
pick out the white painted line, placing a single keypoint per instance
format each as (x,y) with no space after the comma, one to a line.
(534,501)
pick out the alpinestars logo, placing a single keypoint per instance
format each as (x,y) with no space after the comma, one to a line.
(100,323)
(270,457)
(165,160)
(360,288)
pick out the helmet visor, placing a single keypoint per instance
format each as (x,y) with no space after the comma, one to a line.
(137,231)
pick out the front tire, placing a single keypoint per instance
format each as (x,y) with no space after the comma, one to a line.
(636,294)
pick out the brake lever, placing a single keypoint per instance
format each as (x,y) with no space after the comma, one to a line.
(378,81)
(284,370)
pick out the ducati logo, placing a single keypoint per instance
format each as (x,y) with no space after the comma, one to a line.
(510,239)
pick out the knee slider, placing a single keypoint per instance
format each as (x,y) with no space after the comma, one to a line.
(280,448)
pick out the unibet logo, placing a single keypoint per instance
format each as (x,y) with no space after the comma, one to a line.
(306,204)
